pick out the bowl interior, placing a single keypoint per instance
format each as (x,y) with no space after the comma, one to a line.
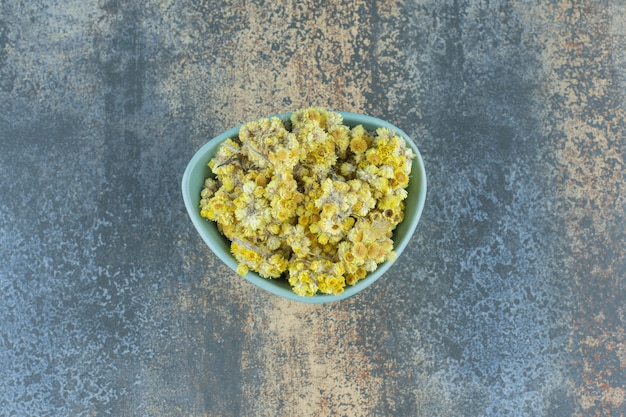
(197,170)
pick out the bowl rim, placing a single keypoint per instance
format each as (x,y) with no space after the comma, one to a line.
(204,155)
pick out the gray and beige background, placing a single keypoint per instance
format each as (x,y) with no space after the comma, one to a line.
(509,301)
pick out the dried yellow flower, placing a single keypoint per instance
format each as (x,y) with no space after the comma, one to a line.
(316,203)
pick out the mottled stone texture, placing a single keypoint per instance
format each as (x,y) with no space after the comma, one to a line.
(509,301)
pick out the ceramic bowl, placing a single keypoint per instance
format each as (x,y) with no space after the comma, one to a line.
(197,170)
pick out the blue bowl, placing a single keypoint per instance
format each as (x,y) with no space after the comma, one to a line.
(197,171)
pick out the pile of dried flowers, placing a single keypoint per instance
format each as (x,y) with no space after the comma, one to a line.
(313,200)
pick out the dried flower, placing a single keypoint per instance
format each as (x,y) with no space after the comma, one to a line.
(316,203)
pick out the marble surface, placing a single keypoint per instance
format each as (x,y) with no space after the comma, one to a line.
(509,301)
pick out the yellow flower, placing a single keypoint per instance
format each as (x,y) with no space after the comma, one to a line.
(373,156)
(207,213)
(370,265)
(331,284)
(402,179)
(246,254)
(347,223)
(311,114)
(335,193)
(316,202)
(323,238)
(351,279)
(272,243)
(369,174)
(365,201)
(242,269)
(297,239)
(227,154)
(347,169)
(348,257)
(252,214)
(274,228)
(360,250)
(302,284)
(209,189)
(282,214)
(229,182)
(331,226)
(358,145)
(341,139)
(274,266)
(361,273)
(386,171)
(283,157)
